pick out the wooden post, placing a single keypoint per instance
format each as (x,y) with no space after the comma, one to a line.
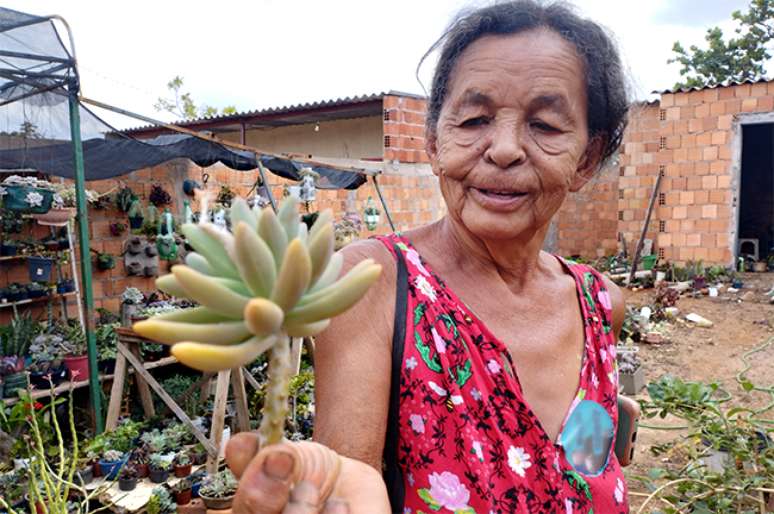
(296,345)
(116,391)
(638,249)
(218,420)
(182,416)
(240,398)
(142,386)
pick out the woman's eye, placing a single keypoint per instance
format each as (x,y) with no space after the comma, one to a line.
(544,127)
(474,122)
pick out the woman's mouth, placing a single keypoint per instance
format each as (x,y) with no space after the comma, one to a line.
(497,199)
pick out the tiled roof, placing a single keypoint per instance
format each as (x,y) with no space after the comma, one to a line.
(728,83)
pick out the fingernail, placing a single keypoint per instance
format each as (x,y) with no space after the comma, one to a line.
(278,465)
(335,506)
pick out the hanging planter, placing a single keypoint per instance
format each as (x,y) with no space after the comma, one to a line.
(9,248)
(371,215)
(28,199)
(65,286)
(158,196)
(105,261)
(55,216)
(117,228)
(40,268)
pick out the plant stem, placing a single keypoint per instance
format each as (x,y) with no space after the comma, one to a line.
(275,407)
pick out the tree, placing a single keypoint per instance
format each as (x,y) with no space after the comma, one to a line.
(741,57)
(182,105)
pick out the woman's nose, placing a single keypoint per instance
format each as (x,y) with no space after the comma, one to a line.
(506,148)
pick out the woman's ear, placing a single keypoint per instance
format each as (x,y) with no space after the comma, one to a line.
(588,165)
(431,148)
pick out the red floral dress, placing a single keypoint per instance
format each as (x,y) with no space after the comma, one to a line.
(463,438)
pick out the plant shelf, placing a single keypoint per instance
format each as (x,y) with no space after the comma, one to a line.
(35,300)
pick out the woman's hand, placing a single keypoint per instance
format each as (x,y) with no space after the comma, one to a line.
(302,478)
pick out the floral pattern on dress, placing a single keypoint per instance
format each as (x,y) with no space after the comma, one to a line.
(468,442)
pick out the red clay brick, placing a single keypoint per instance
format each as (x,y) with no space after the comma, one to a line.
(749,105)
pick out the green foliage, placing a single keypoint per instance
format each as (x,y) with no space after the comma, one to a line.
(17,338)
(739,58)
(176,385)
(106,340)
(737,481)
(161,502)
(182,105)
(220,485)
(120,439)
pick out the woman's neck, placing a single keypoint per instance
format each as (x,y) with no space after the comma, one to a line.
(517,262)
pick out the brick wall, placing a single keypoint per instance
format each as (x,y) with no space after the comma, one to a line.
(404,129)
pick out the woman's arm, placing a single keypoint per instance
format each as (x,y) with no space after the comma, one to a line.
(352,365)
(619,305)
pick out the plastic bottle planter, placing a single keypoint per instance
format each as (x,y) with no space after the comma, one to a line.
(40,268)
(135,222)
(33,200)
(9,249)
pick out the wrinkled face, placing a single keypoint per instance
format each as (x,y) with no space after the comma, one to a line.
(512,138)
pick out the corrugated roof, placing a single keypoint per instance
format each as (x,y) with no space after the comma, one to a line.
(727,83)
(293,108)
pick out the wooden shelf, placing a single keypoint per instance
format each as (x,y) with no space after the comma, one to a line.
(35,300)
(65,386)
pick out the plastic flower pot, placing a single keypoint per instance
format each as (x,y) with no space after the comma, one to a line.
(183,497)
(195,489)
(110,468)
(65,286)
(649,261)
(55,216)
(28,199)
(39,268)
(158,476)
(182,471)
(127,484)
(142,470)
(16,296)
(107,366)
(85,475)
(52,245)
(78,365)
(63,244)
(37,292)
(8,250)
(135,222)
(96,469)
(217,503)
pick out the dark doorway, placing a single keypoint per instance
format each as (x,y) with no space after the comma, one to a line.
(756,207)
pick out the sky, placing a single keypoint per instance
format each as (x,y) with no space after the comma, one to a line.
(268,53)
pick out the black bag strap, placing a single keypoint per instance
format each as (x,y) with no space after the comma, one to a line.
(393,476)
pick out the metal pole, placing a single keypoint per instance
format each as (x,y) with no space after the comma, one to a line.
(83,240)
(638,248)
(384,204)
(266,185)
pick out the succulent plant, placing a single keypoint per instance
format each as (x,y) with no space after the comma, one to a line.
(269,279)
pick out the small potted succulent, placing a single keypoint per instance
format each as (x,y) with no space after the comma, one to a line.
(105,261)
(159,468)
(111,463)
(158,196)
(85,473)
(37,290)
(136,215)
(65,285)
(9,248)
(117,228)
(160,502)
(630,370)
(183,492)
(127,479)
(217,491)
(74,347)
(182,465)
(46,364)
(139,460)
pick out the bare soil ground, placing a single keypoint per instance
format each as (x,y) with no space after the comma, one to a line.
(707,355)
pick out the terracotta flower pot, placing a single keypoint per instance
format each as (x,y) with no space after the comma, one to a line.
(217,503)
(183,497)
(78,366)
(182,471)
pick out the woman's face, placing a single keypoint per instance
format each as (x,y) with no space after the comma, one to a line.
(511,137)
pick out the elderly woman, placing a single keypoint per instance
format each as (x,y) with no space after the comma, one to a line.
(479,374)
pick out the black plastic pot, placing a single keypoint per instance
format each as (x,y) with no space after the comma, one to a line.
(63,244)
(158,476)
(84,476)
(8,250)
(107,366)
(18,296)
(127,484)
(65,286)
(37,293)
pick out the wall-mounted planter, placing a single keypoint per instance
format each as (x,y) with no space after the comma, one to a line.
(40,268)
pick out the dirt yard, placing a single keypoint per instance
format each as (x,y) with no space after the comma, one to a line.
(707,355)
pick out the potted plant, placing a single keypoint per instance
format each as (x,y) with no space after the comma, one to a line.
(51,244)
(111,463)
(136,215)
(105,261)
(27,194)
(182,465)
(158,196)
(139,460)
(37,290)
(65,285)
(106,337)
(217,491)
(39,268)
(630,371)
(74,345)
(198,454)
(124,198)
(85,473)
(117,228)
(46,364)
(131,299)
(183,492)
(161,502)
(9,248)
(225,196)
(159,468)
(127,479)
(16,292)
